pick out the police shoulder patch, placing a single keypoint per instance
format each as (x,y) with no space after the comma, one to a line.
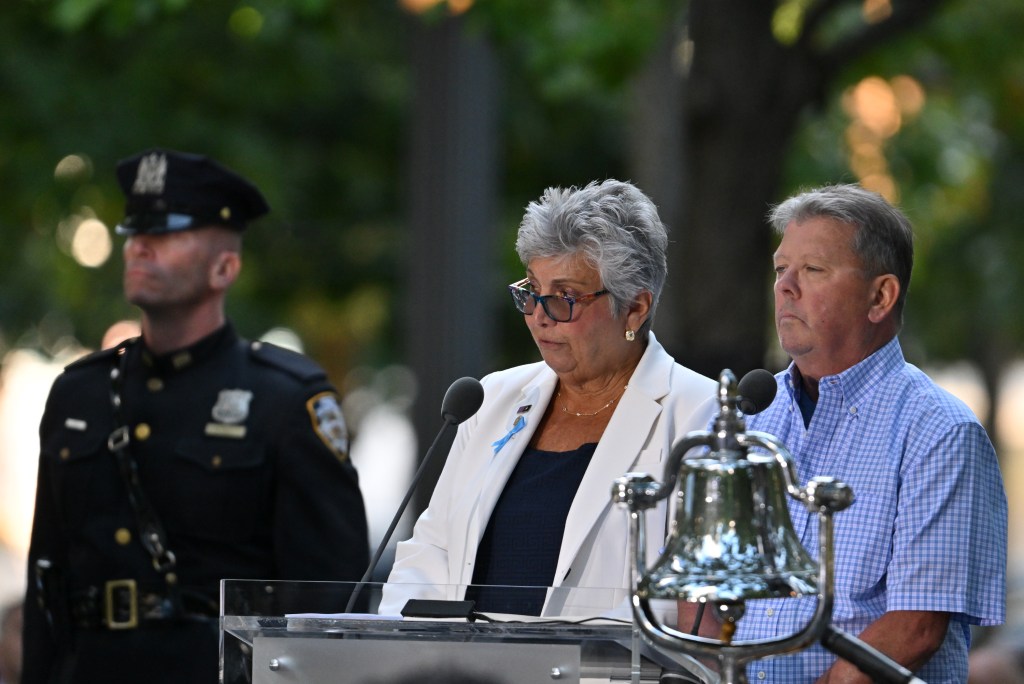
(293,363)
(329,423)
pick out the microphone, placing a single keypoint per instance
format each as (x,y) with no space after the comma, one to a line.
(757,391)
(461,401)
(874,663)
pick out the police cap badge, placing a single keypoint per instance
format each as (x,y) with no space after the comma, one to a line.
(169,191)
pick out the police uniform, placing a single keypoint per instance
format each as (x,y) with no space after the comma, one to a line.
(240,456)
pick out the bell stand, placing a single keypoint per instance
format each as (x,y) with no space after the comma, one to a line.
(824,496)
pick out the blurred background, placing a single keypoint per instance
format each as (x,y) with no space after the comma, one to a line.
(398,142)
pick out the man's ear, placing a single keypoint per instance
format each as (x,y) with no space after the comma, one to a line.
(884,293)
(225,270)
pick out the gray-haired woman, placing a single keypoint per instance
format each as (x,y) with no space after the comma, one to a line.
(524,499)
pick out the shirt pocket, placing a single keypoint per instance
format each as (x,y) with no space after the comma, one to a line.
(863,552)
(216,489)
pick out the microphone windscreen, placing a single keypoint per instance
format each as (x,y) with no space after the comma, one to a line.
(462,400)
(757,391)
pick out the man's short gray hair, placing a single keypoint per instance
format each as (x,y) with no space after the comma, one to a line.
(884,238)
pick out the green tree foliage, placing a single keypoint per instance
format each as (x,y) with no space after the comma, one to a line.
(307,98)
(311,98)
(959,174)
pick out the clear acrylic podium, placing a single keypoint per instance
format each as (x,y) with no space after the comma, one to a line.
(289,632)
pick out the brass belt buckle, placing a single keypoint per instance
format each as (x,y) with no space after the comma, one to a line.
(121,604)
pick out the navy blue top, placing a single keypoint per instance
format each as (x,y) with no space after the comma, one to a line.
(524,534)
(807,406)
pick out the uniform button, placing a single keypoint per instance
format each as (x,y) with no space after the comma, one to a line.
(123,536)
(216,461)
(65,454)
(142,432)
(154,384)
(171,578)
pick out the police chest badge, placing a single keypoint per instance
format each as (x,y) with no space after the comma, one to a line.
(329,423)
(230,411)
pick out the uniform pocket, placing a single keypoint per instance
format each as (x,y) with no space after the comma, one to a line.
(81,470)
(216,489)
(69,446)
(220,456)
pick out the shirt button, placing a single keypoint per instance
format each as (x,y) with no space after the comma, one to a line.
(770,612)
(154,384)
(142,432)
(122,536)
(853,410)
(761,674)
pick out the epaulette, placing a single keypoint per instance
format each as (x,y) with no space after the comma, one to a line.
(89,359)
(293,363)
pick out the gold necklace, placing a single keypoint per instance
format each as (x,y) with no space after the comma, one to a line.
(579,414)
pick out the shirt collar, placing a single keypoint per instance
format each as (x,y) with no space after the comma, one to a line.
(181,359)
(856,381)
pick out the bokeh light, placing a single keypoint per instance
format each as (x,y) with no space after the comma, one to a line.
(246,22)
(878,109)
(91,244)
(72,168)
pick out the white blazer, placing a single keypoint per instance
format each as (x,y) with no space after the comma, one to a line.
(662,403)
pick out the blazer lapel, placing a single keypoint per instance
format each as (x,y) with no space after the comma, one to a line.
(536,396)
(621,444)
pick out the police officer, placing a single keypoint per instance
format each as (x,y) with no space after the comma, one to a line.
(181,457)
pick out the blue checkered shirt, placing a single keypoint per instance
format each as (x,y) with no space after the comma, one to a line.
(927,530)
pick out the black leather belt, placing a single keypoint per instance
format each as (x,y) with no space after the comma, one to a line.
(120,604)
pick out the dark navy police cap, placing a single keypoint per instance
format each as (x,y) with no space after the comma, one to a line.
(168,191)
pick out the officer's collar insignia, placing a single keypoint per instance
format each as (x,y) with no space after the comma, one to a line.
(181,360)
(329,423)
(150,177)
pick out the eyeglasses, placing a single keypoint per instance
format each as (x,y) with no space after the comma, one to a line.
(557,307)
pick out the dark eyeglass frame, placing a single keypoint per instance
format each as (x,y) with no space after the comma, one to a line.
(544,299)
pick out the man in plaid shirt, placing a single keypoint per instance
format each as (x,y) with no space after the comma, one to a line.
(921,554)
